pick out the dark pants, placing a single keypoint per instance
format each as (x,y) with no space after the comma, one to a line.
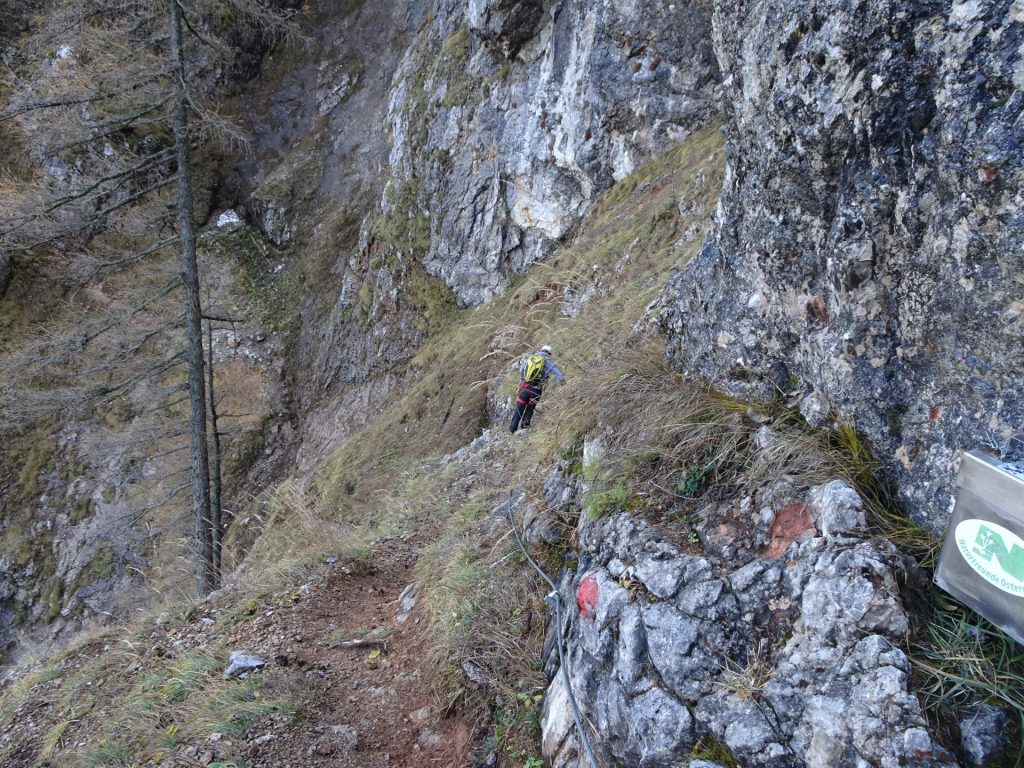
(529,394)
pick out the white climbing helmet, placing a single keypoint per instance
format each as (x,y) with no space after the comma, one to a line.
(545,350)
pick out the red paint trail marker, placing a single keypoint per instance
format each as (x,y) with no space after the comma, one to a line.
(586,597)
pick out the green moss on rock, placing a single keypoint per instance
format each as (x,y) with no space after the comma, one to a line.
(33,459)
(53,599)
(273,295)
(101,566)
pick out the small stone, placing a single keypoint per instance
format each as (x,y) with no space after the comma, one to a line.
(345,735)
(616,567)
(983,733)
(429,739)
(837,508)
(228,219)
(406,603)
(241,663)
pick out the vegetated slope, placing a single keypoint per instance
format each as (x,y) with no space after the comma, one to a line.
(92,432)
(93,514)
(147,693)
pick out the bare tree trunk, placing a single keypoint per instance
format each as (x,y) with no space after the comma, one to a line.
(6,272)
(216,516)
(206,575)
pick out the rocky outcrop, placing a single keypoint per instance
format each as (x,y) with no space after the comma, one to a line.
(500,120)
(506,118)
(74,561)
(785,661)
(866,257)
(505,24)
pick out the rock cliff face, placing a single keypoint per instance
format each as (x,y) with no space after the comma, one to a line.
(500,121)
(506,118)
(867,259)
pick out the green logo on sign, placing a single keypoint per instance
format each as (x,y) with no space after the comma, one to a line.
(989,543)
(994,552)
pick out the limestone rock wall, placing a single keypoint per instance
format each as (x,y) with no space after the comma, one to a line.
(790,661)
(867,257)
(506,118)
(432,169)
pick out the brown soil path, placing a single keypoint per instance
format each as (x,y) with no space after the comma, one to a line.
(356,710)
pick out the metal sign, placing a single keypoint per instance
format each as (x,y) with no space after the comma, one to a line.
(982,560)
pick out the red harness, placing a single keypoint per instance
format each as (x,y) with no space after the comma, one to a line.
(532,397)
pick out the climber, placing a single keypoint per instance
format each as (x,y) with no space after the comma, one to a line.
(533,372)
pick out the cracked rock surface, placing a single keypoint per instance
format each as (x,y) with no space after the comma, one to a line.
(790,661)
(547,105)
(866,257)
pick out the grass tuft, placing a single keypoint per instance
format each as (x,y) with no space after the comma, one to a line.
(486,616)
(962,659)
(747,681)
(679,444)
(714,751)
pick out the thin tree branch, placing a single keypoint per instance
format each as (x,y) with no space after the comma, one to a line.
(83,195)
(108,266)
(220,318)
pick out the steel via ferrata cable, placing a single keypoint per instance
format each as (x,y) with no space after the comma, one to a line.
(553,599)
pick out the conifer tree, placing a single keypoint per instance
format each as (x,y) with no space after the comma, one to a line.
(111,100)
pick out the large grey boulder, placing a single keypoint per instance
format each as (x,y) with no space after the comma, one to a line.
(790,660)
(866,254)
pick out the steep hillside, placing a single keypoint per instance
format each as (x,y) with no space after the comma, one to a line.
(776,249)
(390,494)
(357,260)
(94,522)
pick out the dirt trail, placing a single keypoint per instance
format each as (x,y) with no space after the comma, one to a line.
(356,707)
(356,710)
